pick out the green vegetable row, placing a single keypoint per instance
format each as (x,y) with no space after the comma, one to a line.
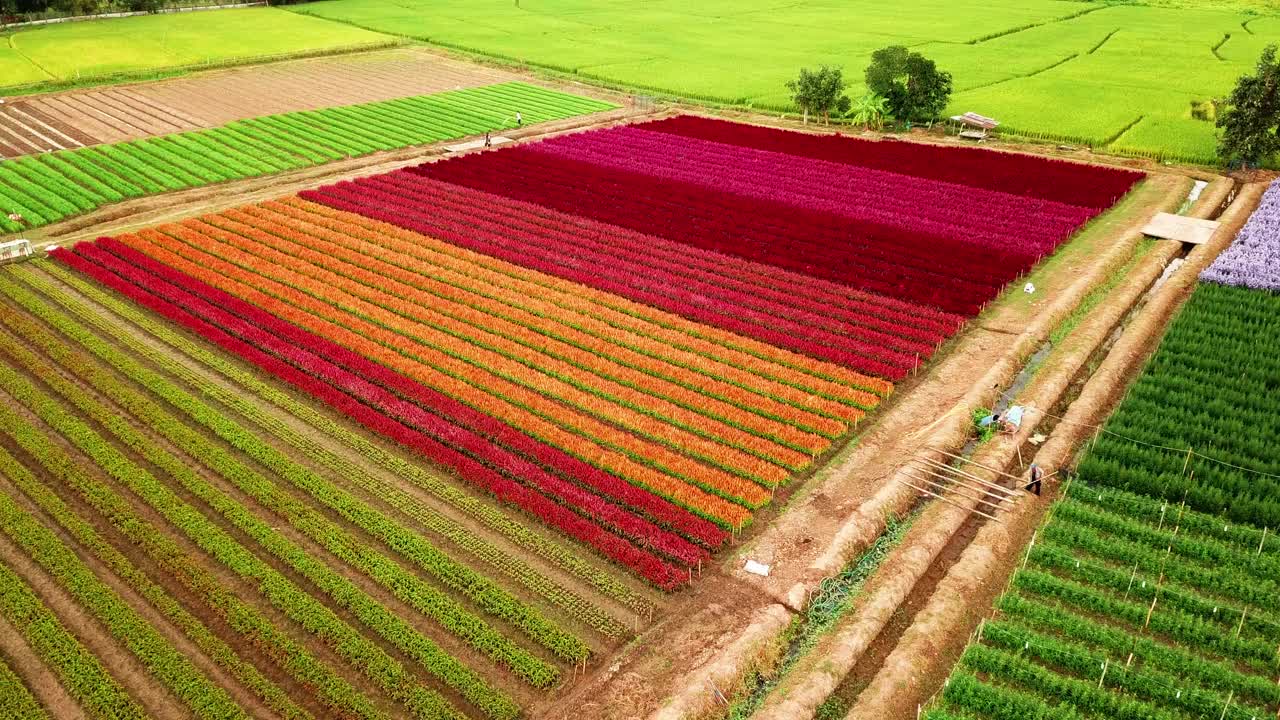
(1210,388)
(219,544)
(16,700)
(169,666)
(333,691)
(47,188)
(421,596)
(1062,561)
(1119,642)
(87,538)
(1146,683)
(408,545)
(1168,622)
(1152,511)
(1224,581)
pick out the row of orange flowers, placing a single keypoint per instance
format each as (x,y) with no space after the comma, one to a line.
(728,424)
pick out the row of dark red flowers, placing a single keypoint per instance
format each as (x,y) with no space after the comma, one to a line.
(941,272)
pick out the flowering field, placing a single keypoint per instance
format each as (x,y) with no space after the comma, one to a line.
(423,443)
(1253,258)
(764,195)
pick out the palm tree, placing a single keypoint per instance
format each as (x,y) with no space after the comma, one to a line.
(870,110)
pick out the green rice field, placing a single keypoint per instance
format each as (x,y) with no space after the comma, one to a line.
(1057,70)
(64,53)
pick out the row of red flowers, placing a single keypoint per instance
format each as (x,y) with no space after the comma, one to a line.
(452,274)
(632,256)
(850,192)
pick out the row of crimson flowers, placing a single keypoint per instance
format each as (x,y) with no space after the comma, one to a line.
(662,290)
(874,257)
(850,192)
(1090,186)
(316,366)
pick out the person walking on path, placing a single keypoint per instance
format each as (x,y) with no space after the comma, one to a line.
(487,141)
(1037,475)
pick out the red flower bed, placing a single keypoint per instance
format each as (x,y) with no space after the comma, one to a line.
(1027,175)
(870,257)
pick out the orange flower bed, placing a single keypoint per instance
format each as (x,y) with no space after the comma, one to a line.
(343,295)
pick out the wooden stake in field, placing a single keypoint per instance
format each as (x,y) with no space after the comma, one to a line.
(1032,544)
(1132,576)
(1105,665)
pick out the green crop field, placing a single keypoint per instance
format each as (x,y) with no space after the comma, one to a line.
(63,53)
(49,187)
(1152,591)
(1120,76)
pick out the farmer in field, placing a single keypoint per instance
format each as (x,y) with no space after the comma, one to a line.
(519,120)
(1037,475)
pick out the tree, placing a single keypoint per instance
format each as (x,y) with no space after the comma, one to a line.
(1251,122)
(820,92)
(870,110)
(913,85)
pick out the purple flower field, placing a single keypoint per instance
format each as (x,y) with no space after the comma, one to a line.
(1253,260)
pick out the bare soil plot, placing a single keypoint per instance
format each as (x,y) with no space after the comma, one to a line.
(125,112)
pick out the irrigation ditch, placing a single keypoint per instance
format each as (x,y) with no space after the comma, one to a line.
(885,651)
